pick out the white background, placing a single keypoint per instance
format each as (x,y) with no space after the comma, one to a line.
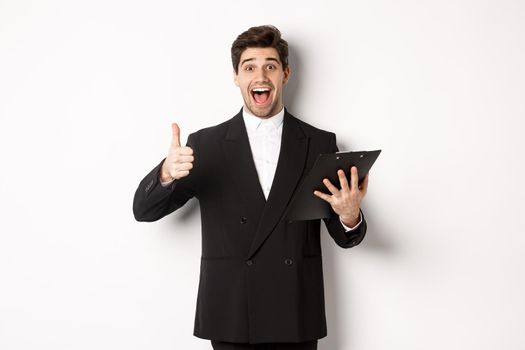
(88,90)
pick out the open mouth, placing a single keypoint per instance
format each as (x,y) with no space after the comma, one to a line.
(261,95)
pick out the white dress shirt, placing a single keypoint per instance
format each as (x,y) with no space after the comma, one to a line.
(265,142)
(265,136)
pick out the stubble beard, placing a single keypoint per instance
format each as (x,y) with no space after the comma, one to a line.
(272,110)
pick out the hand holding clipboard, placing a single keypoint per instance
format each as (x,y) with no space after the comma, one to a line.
(329,198)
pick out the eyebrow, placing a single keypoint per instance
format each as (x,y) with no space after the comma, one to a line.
(267,59)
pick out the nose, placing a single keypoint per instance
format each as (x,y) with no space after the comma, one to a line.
(261,75)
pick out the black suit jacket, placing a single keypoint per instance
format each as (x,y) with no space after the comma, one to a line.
(261,277)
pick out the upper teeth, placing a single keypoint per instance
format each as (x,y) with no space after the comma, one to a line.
(260,89)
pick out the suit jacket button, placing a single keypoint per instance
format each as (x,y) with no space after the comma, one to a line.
(288,261)
(249,262)
(243,220)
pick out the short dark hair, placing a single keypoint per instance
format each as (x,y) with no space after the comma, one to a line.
(261,36)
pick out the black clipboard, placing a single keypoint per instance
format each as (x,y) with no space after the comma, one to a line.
(307,206)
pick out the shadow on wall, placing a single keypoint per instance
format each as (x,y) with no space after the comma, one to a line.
(339,327)
(188,211)
(291,92)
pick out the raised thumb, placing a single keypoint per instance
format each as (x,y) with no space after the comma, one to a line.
(175,131)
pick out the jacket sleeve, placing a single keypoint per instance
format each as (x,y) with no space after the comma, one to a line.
(341,237)
(153,201)
(333,224)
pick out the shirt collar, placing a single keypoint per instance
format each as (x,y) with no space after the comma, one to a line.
(252,122)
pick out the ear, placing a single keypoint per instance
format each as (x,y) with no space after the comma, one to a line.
(235,78)
(287,72)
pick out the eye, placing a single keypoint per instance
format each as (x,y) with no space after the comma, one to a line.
(271,67)
(248,68)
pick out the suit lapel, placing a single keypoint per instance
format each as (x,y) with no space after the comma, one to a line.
(290,166)
(238,157)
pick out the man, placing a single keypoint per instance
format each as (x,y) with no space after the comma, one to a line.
(261,277)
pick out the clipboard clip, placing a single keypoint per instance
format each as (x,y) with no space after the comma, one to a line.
(338,157)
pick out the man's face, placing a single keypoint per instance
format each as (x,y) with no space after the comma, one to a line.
(261,79)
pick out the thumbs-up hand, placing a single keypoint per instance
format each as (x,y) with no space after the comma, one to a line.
(179,161)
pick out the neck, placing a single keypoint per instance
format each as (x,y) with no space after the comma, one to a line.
(272,113)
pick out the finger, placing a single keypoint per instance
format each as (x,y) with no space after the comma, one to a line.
(184,159)
(175,135)
(354,179)
(184,166)
(342,180)
(323,196)
(185,151)
(334,190)
(181,173)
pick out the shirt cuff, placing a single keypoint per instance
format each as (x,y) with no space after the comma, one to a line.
(165,184)
(347,229)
